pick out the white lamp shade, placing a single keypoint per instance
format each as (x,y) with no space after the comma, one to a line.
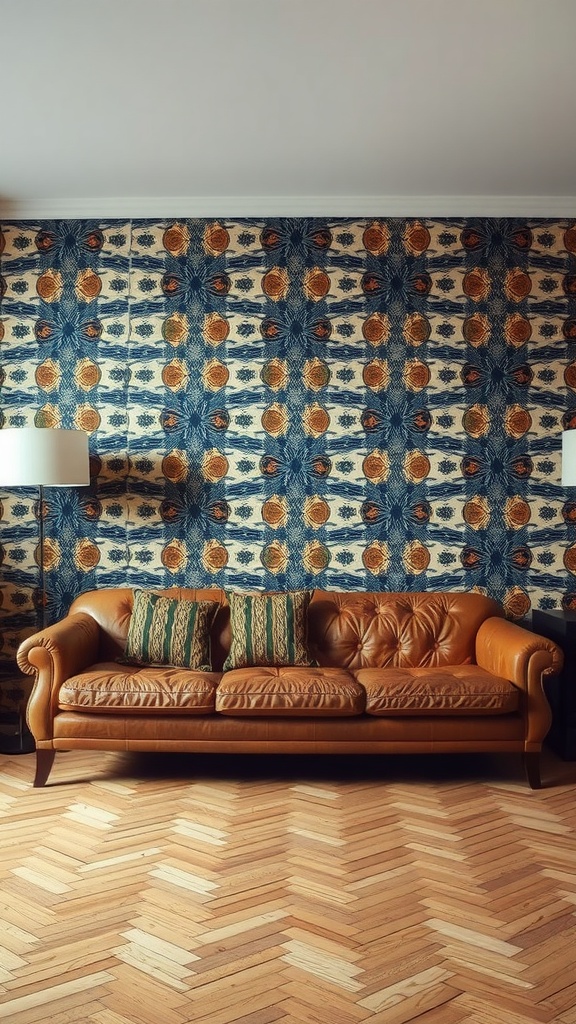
(43,457)
(569,458)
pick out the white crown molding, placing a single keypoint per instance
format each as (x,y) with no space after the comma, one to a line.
(234,207)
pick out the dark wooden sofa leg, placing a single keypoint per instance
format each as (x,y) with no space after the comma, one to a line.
(532,768)
(44,761)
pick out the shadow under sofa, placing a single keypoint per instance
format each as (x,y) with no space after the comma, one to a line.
(397,673)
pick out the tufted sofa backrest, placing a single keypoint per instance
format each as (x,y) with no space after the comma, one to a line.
(347,629)
(376,630)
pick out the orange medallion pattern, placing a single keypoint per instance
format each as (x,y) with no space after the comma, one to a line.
(294,403)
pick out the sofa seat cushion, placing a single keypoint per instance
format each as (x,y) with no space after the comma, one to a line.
(111,687)
(458,690)
(289,691)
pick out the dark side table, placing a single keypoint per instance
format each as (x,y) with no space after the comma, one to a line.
(560,626)
(15,736)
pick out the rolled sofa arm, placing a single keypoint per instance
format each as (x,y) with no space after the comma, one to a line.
(512,652)
(505,649)
(52,656)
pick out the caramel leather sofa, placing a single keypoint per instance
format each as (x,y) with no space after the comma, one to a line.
(398,673)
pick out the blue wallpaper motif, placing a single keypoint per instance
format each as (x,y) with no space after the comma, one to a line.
(294,403)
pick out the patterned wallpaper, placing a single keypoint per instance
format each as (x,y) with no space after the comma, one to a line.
(294,403)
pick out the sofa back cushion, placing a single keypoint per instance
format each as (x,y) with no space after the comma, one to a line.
(404,630)
(345,629)
(112,610)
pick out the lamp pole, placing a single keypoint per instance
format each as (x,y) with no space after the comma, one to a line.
(41,556)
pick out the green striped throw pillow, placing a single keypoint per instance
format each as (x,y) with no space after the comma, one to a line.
(170,631)
(268,629)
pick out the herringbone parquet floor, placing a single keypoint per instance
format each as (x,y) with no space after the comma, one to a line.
(165,890)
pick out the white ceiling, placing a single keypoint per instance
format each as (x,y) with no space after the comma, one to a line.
(240,107)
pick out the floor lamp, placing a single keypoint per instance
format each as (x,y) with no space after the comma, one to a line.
(568,458)
(43,457)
